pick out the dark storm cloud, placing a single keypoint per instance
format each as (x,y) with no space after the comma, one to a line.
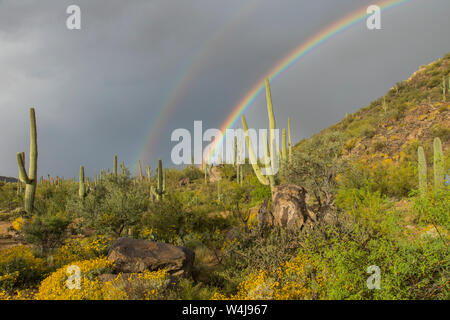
(98,89)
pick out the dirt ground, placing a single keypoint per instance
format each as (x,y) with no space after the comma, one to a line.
(4,242)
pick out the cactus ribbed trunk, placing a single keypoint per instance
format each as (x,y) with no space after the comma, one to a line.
(115,166)
(290,140)
(161,188)
(29,179)
(422,171)
(271,154)
(438,165)
(81,184)
(149,174)
(283,146)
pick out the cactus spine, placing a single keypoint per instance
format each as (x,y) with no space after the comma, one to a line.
(31,178)
(270,154)
(81,184)
(161,188)
(422,170)
(438,164)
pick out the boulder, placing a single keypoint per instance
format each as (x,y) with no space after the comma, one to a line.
(289,209)
(134,256)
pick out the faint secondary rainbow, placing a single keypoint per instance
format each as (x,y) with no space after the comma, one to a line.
(189,72)
(312,43)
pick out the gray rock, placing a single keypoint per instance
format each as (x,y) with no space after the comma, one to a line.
(134,256)
(289,209)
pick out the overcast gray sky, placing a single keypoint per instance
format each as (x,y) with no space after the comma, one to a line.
(99,91)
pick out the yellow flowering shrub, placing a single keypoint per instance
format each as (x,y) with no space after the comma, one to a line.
(148,285)
(56,286)
(296,279)
(19,268)
(18,223)
(81,249)
(136,286)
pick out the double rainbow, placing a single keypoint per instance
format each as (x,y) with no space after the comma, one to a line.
(292,58)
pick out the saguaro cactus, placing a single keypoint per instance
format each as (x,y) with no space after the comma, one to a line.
(271,149)
(438,165)
(290,139)
(115,166)
(161,188)
(283,146)
(81,184)
(422,170)
(149,174)
(141,177)
(444,89)
(30,179)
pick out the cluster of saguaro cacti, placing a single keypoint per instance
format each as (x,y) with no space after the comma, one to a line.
(29,179)
(81,184)
(438,167)
(270,156)
(160,190)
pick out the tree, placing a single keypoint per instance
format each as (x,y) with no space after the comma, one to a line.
(316,165)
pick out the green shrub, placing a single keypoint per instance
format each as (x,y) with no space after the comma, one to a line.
(46,232)
(20,269)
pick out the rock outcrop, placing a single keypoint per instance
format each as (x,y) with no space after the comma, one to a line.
(134,256)
(289,209)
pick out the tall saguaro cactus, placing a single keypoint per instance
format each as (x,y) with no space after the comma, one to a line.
(444,89)
(81,184)
(149,174)
(29,179)
(438,164)
(115,166)
(283,146)
(271,150)
(422,170)
(161,188)
(141,177)
(290,140)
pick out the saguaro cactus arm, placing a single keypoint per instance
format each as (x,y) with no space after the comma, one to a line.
(251,153)
(30,178)
(23,176)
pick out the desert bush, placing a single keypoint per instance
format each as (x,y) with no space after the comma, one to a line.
(434,208)
(296,279)
(9,199)
(46,232)
(81,249)
(55,287)
(19,269)
(113,206)
(316,166)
